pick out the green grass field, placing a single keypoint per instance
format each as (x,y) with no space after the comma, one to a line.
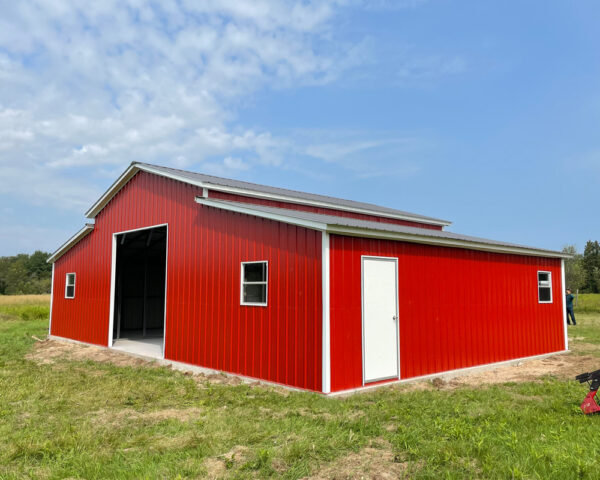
(83,419)
(588,302)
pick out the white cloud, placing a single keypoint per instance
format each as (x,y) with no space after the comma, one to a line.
(94,86)
(86,88)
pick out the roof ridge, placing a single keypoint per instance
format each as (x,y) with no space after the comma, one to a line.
(261,188)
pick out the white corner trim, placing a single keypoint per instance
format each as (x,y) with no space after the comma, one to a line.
(564,306)
(70,243)
(257,213)
(325,304)
(51,301)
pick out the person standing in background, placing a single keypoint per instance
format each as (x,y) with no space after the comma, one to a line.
(569,298)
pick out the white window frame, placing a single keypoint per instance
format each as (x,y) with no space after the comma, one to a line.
(544,286)
(265,283)
(67,284)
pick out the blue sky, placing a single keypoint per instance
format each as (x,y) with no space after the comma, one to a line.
(483,113)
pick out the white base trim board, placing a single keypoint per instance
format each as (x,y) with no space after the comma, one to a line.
(448,374)
(184,367)
(187,367)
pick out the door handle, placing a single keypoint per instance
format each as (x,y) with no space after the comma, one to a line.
(395,318)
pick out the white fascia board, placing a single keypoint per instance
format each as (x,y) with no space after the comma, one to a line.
(368,233)
(316,203)
(257,213)
(447,242)
(124,178)
(112,190)
(70,243)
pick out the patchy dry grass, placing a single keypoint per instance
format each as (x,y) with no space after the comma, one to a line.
(25,300)
(71,411)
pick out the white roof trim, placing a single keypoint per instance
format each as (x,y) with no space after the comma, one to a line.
(373,233)
(270,216)
(70,243)
(315,203)
(134,168)
(124,178)
(447,242)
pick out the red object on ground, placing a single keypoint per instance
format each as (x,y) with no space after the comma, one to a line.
(589,405)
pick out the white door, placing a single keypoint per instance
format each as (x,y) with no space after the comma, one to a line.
(380,318)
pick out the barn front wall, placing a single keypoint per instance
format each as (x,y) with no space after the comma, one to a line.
(205,324)
(457,308)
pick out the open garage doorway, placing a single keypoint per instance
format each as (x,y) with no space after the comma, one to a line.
(139,295)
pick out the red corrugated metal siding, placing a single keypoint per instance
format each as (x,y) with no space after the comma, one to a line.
(325,211)
(84,318)
(205,323)
(458,308)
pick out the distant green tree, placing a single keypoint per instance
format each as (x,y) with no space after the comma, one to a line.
(574,273)
(25,274)
(591,266)
(37,265)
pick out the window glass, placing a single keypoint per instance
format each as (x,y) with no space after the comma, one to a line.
(254,283)
(70,286)
(255,293)
(544,287)
(255,272)
(545,295)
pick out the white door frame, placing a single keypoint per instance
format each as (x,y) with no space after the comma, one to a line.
(362,304)
(113,273)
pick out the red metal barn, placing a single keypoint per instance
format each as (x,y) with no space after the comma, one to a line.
(299,289)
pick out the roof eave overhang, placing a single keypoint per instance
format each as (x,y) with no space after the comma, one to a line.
(315,203)
(136,167)
(380,234)
(70,243)
(446,242)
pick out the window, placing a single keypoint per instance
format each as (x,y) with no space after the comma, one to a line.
(70,286)
(254,283)
(544,287)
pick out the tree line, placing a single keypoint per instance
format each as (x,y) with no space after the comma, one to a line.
(25,274)
(30,274)
(582,272)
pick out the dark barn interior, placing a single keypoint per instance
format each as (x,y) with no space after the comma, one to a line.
(140,284)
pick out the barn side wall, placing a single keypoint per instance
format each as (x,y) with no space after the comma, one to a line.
(458,308)
(324,211)
(205,323)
